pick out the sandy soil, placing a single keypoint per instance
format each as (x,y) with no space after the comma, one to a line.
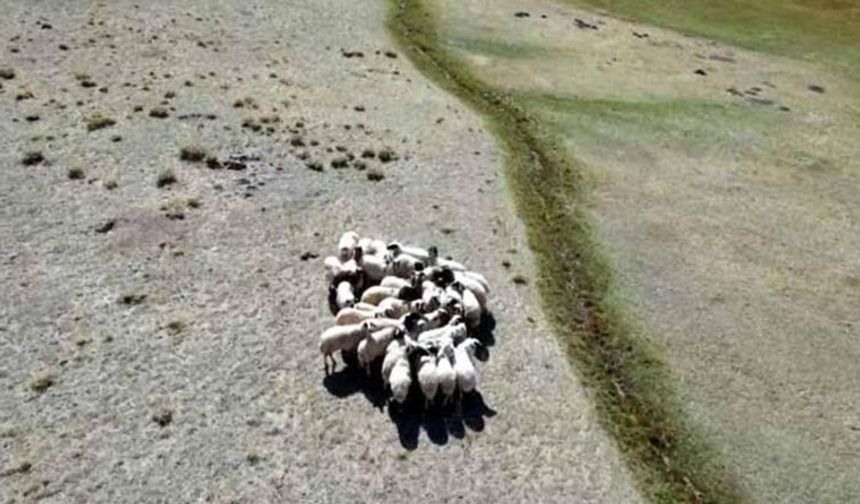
(159,316)
(726,190)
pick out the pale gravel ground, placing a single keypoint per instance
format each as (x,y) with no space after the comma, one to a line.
(252,420)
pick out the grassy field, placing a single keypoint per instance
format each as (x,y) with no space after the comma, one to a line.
(693,195)
(824,31)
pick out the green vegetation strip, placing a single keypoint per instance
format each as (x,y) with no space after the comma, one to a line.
(631,385)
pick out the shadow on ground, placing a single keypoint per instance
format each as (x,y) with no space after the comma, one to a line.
(438,420)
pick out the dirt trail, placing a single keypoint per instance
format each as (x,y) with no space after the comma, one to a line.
(159,320)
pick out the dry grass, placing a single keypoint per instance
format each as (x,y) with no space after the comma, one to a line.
(99,121)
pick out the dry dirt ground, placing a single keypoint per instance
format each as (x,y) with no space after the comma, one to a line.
(726,187)
(159,316)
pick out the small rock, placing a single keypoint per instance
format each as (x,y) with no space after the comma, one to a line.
(815,88)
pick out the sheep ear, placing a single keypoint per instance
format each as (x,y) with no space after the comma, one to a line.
(358,253)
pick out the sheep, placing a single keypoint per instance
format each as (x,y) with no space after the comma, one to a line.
(365,307)
(471,308)
(427,378)
(431,296)
(455,331)
(374,295)
(343,337)
(400,379)
(473,285)
(347,245)
(464,365)
(374,345)
(393,281)
(396,248)
(402,265)
(396,349)
(392,308)
(345,295)
(335,268)
(372,247)
(374,266)
(475,276)
(353,315)
(433,259)
(445,375)
(437,318)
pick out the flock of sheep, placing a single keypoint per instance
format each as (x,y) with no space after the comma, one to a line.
(409,308)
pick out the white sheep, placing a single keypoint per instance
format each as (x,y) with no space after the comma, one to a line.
(393,281)
(365,307)
(374,267)
(402,265)
(434,260)
(392,308)
(427,377)
(431,295)
(374,345)
(344,337)
(395,350)
(396,249)
(437,318)
(471,309)
(345,296)
(372,247)
(455,332)
(353,315)
(374,295)
(473,285)
(464,365)
(346,245)
(400,379)
(445,375)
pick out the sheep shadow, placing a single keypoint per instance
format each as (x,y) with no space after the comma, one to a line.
(439,421)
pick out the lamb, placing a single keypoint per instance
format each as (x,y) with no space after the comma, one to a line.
(347,245)
(343,337)
(464,365)
(427,378)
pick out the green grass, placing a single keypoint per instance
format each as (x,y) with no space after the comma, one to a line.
(823,31)
(632,388)
(694,128)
